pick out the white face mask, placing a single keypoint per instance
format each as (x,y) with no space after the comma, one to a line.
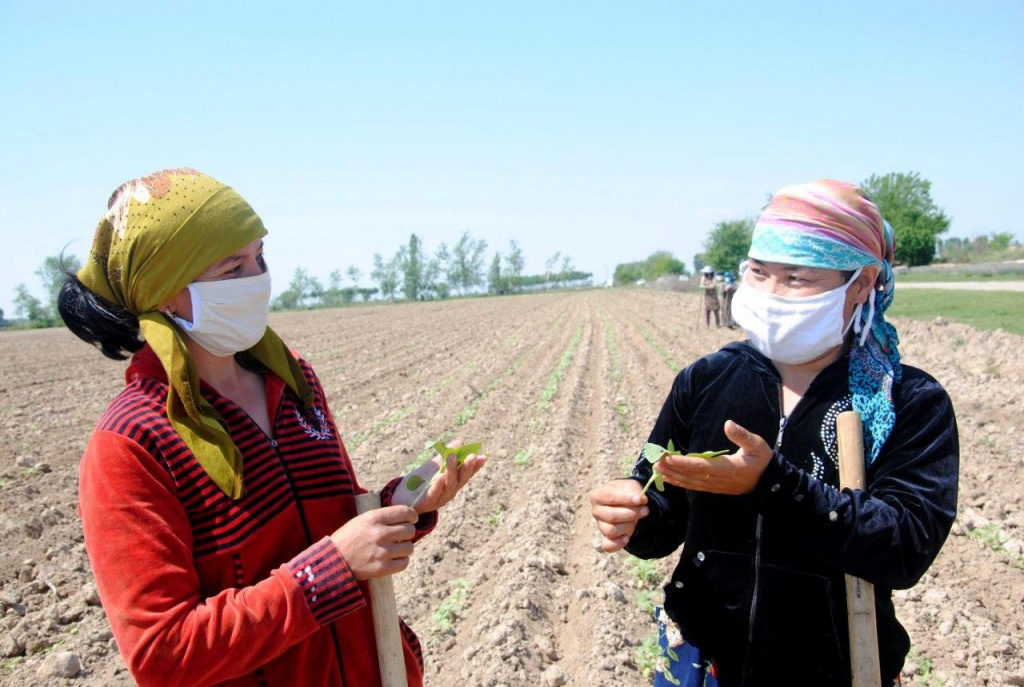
(792,330)
(229,315)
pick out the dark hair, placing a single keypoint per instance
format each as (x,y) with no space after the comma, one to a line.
(108,327)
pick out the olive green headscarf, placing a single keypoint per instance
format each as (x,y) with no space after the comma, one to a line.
(160,232)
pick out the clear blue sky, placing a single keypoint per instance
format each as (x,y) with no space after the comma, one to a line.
(605,130)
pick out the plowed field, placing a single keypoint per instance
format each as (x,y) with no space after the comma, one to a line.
(510,589)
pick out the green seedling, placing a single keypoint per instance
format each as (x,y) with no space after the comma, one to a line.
(646,600)
(653,453)
(461,453)
(522,458)
(451,607)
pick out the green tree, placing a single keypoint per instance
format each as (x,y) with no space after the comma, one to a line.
(514,265)
(413,268)
(496,282)
(567,265)
(314,292)
(51,273)
(336,295)
(657,264)
(355,274)
(28,307)
(432,284)
(467,263)
(304,291)
(550,265)
(663,262)
(915,239)
(905,200)
(442,281)
(3,322)
(1000,242)
(386,275)
(728,244)
(628,272)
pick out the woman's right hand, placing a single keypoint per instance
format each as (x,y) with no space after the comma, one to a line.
(618,506)
(377,543)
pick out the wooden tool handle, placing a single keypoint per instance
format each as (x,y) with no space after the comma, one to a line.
(390,655)
(860,595)
(851,450)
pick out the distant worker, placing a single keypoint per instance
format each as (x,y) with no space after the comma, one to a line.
(216,495)
(709,292)
(728,289)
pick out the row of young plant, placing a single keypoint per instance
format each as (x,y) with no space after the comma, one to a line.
(644,576)
(451,607)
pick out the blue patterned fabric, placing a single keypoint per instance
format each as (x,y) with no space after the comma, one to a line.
(874,358)
(679,663)
(797,247)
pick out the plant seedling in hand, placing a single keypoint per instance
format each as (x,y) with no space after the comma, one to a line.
(653,453)
(461,453)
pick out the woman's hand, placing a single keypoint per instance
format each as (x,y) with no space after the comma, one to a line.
(379,542)
(442,490)
(618,506)
(733,474)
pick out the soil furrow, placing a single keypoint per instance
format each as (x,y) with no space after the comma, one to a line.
(562,388)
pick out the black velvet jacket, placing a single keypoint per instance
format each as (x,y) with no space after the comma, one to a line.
(759,586)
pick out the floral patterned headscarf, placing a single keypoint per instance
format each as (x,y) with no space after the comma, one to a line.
(834,225)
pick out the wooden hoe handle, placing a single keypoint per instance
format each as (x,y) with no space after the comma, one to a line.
(860,595)
(390,656)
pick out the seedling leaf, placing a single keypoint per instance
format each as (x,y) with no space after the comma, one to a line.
(461,453)
(653,453)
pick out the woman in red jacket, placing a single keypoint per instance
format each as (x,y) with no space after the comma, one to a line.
(216,495)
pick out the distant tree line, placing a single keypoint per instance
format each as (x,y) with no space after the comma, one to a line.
(307,291)
(904,200)
(413,273)
(992,247)
(506,274)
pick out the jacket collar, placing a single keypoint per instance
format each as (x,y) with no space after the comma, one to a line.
(763,365)
(145,364)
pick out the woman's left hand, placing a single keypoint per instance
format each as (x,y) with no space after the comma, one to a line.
(733,474)
(444,488)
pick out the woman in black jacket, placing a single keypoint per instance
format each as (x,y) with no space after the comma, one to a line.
(757,596)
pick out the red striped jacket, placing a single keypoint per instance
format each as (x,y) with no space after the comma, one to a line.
(200,589)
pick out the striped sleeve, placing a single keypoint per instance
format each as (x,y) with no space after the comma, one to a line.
(326,581)
(425,524)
